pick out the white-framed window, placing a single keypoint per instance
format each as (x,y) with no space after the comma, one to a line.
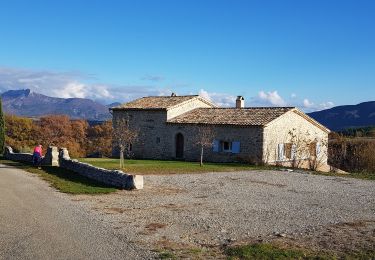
(318,148)
(287,151)
(280,152)
(290,151)
(226,146)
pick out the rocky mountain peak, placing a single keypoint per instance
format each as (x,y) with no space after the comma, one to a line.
(19,93)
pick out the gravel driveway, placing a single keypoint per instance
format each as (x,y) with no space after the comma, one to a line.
(216,208)
(182,211)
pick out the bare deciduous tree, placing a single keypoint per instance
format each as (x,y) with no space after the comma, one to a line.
(308,148)
(123,136)
(300,143)
(203,139)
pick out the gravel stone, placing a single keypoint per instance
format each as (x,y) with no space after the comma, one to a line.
(214,207)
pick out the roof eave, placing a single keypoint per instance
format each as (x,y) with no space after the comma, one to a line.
(193,98)
(137,109)
(213,124)
(311,120)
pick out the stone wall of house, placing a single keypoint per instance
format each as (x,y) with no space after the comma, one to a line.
(154,137)
(185,107)
(157,139)
(293,128)
(150,126)
(249,139)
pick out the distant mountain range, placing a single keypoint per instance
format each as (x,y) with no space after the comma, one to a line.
(30,104)
(349,116)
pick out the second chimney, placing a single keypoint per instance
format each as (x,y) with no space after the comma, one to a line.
(240,102)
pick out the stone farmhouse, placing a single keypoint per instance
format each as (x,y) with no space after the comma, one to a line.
(169,127)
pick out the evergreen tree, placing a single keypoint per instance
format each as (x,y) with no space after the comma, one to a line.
(2,128)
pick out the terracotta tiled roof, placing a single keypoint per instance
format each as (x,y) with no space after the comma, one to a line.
(157,102)
(255,116)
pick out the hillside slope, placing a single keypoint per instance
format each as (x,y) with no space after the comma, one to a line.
(349,116)
(30,104)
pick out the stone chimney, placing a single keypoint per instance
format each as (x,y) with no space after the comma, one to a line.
(240,102)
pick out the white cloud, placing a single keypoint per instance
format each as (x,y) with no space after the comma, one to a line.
(72,85)
(71,90)
(75,84)
(326,105)
(309,106)
(220,99)
(293,95)
(271,97)
(307,103)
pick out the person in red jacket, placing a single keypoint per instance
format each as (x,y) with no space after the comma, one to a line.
(38,155)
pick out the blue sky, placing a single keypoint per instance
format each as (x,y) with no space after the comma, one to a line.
(311,54)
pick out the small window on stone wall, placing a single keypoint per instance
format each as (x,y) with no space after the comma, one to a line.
(288,151)
(158,140)
(226,146)
(312,147)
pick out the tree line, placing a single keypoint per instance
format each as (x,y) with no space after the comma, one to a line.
(81,139)
(352,154)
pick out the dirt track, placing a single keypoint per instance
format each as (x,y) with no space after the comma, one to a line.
(36,222)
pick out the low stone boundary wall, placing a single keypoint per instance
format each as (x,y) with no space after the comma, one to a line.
(10,155)
(110,177)
(51,157)
(62,159)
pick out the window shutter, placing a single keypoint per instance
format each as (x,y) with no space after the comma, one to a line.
(280,156)
(215,146)
(236,147)
(288,150)
(294,152)
(317,149)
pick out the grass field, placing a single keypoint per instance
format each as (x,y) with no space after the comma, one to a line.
(262,251)
(169,167)
(154,167)
(355,175)
(64,180)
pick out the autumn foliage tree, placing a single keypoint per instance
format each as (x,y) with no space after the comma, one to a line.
(59,130)
(81,139)
(99,139)
(20,133)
